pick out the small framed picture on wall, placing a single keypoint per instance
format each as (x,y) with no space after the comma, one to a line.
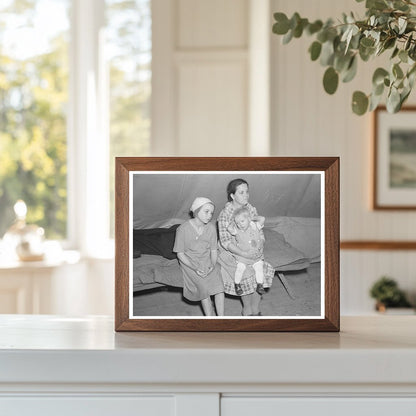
(394,179)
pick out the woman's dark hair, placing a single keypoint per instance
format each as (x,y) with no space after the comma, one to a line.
(232,187)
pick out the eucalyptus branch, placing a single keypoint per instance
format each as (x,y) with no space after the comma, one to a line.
(388,26)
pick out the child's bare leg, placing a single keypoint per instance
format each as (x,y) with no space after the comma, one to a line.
(239,272)
(251,304)
(237,278)
(255,299)
(219,303)
(258,268)
(247,305)
(207,306)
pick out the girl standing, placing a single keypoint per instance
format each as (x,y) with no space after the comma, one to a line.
(196,247)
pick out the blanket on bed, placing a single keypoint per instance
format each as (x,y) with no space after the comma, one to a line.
(281,255)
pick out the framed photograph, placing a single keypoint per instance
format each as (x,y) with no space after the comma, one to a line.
(394,159)
(227,244)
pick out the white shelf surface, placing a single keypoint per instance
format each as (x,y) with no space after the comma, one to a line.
(53,349)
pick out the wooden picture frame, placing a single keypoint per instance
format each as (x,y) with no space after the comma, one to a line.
(138,195)
(394,158)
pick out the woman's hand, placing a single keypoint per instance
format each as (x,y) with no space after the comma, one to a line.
(253,254)
(203,273)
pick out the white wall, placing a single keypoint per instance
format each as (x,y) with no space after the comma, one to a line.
(208,71)
(308,122)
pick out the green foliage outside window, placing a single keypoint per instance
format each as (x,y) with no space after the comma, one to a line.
(33,97)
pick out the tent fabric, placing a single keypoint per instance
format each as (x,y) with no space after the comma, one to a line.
(291,204)
(164,199)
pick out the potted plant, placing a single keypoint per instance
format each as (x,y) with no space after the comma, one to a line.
(389,27)
(387,294)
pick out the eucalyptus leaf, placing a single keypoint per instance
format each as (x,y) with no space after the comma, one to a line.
(314,27)
(315,50)
(288,37)
(374,102)
(342,62)
(379,75)
(376,4)
(359,103)
(350,73)
(281,26)
(330,80)
(367,42)
(403,56)
(397,71)
(408,42)
(402,22)
(378,89)
(327,53)
(389,43)
(393,101)
(395,52)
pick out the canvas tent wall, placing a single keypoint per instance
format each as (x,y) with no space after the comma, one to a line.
(161,198)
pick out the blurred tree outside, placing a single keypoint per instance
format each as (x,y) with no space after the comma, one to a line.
(129,45)
(34,102)
(33,99)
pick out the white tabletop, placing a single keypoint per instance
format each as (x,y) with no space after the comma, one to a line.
(373,349)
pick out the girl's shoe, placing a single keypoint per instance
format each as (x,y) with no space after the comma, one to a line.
(238,289)
(260,289)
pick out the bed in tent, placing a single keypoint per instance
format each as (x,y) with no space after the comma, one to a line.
(291,204)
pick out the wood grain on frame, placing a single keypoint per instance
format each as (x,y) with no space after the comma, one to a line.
(329,165)
(378,245)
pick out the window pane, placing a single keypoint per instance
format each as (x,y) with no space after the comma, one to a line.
(129,46)
(34,37)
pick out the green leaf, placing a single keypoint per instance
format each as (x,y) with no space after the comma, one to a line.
(379,75)
(351,71)
(315,50)
(376,4)
(298,30)
(403,56)
(314,27)
(367,42)
(366,53)
(402,24)
(395,53)
(327,53)
(342,62)
(281,26)
(288,37)
(408,42)
(374,101)
(393,101)
(397,71)
(389,43)
(404,95)
(359,103)
(378,89)
(330,80)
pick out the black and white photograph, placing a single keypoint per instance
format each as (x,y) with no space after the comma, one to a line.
(226,244)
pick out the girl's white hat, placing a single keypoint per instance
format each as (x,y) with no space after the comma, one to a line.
(199,201)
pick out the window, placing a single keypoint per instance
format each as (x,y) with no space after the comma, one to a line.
(75,87)
(33,97)
(129,46)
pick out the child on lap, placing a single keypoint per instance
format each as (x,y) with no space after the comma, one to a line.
(250,240)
